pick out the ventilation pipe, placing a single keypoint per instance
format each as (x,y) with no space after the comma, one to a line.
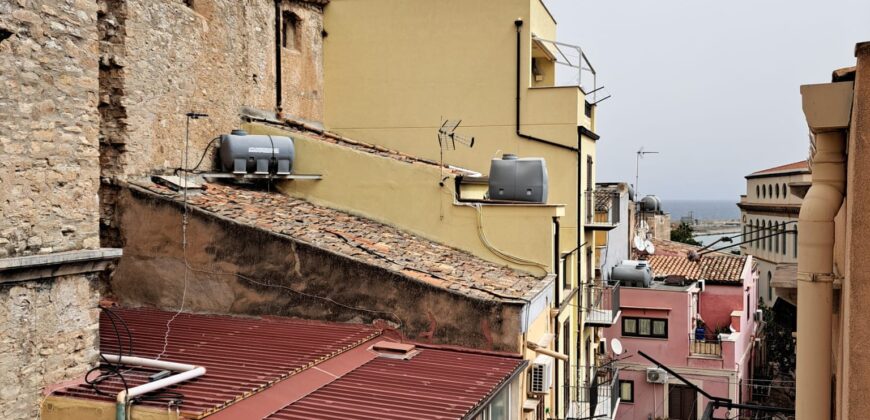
(278,77)
(185,371)
(816,276)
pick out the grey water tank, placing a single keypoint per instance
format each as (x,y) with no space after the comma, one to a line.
(632,273)
(242,153)
(515,179)
(651,203)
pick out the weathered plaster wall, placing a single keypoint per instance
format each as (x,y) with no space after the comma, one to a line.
(48,333)
(167,58)
(856,289)
(48,127)
(280,269)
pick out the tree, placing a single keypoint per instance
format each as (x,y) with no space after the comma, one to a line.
(685,234)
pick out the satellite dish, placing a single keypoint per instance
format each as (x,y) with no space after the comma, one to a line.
(638,243)
(616,346)
(649,247)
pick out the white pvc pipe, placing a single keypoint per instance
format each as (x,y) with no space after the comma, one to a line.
(187,372)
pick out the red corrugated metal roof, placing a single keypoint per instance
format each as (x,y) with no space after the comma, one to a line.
(435,384)
(244,356)
(802,165)
(241,355)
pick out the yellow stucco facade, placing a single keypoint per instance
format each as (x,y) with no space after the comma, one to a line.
(395,70)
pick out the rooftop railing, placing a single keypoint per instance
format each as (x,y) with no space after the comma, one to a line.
(602,208)
(602,304)
(702,346)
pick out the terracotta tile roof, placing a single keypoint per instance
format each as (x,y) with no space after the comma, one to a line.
(799,166)
(261,368)
(671,259)
(365,240)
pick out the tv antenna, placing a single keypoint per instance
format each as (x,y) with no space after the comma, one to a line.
(448,138)
(640,155)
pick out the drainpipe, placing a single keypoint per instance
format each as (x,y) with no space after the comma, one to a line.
(278,35)
(556,257)
(186,372)
(816,275)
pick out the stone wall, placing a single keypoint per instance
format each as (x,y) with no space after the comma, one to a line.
(280,276)
(49,169)
(48,333)
(162,59)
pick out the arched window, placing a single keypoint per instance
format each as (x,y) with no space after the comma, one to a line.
(757,191)
(794,241)
(783,238)
(776,230)
(777,190)
(769,238)
(784,190)
(769,286)
(763,191)
(769,191)
(760,241)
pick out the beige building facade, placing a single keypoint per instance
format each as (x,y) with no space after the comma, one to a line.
(770,207)
(833,367)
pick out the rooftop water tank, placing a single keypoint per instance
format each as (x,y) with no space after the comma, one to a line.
(632,273)
(242,153)
(515,179)
(651,203)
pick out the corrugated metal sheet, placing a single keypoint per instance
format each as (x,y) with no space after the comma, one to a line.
(241,355)
(247,356)
(435,384)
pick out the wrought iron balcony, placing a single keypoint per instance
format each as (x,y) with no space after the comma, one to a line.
(602,209)
(598,398)
(602,305)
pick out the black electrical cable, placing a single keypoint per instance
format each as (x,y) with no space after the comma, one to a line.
(201,159)
(113,369)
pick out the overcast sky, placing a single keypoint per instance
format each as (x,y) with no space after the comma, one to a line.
(711,85)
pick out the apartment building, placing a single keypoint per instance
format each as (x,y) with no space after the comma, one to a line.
(698,318)
(769,216)
(393,75)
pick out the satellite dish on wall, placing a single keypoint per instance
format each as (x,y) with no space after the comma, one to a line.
(649,247)
(639,243)
(616,346)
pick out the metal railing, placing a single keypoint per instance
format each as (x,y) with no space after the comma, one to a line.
(705,346)
(598,397)
(602,207)
(602,304)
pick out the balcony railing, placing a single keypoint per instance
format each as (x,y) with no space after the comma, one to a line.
(602,209)
(602,304)
(705,346)
(598,398)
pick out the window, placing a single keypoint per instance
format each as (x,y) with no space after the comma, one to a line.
(783,229)
(794,243)
(757,191)
(784,190)
(626,391)
(763,192)
(776,240)
(769,287)
(769,238)
(761,231)
(777,190)
(769,191)
(289,26)
(501,406)
(644,327)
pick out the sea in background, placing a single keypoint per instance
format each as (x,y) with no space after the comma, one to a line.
(702,210)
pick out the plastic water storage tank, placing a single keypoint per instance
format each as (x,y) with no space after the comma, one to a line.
(242,153)
(515,179)
(632,273)
(651,203)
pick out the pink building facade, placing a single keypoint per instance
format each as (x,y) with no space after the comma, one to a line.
(663,321)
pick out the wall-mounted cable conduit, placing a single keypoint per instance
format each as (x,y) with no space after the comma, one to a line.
(501,254)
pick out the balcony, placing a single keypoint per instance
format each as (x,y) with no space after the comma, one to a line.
(598,398)
(602,305)
(602,209)
(705,347)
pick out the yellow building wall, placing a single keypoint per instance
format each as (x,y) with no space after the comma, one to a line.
(408,196)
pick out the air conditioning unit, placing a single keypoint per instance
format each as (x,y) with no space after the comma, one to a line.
(759,315)
(541,375)
(656,376)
